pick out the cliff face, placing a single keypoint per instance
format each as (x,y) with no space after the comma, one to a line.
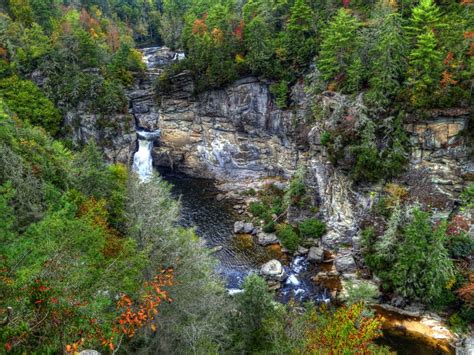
(228,134)
(238,134)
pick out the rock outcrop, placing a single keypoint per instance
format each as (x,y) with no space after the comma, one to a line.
(229,134)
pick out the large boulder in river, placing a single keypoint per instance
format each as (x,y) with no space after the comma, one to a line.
(316,255)
(273,270)
(241,227)
(267,238)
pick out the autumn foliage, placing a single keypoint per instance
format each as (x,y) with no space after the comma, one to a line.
(345,331)
(135,314)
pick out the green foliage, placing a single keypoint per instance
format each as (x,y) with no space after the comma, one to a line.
(260,46)
(361,292)
(270,227)
(294,195)
(258,209)
(467,197)
(312,228)
(339,51)
(387,55)
(399,257)
(424,71)
(288,237)
(255,305)
(416,276)
(26,100)
(345,331)
(460,246)
(325,138)
(280,91)
(425,58)
(368,164)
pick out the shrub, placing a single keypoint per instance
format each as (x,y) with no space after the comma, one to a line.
(346,331)
(270,227)
(259,210)
(460,246)
(280,91)
(458,324)
(362,291)
(288,237)
(467,197)
(312,228)
(325,138)
(296,189)
(250,192)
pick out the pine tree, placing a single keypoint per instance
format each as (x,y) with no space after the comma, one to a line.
(339,47)
(423,268)
(425,59)
(367,158)
(424,70)
(260,47)
(297,39)
(425,16)
(387,55)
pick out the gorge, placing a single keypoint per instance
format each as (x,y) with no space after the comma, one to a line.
(236,177)
(239,137)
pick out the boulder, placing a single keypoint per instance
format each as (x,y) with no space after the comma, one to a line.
(467,346)
(316,255)
(248,228)
(345,264)
(273,270)
(265,239)
(241,227)
(301,250)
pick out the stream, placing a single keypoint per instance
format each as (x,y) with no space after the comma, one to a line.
(238,255)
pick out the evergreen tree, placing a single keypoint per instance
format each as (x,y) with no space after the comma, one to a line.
(387,56)
(339,47)
(424,71)
(423,268)
(260,47)
(425,16)
(367,165)
(298,37)
(255,306)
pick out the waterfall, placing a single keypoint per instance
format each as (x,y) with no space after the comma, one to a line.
(142,160)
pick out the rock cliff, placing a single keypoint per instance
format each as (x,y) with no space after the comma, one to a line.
(238,135)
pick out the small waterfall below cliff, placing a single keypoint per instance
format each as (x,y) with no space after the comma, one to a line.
(142,159)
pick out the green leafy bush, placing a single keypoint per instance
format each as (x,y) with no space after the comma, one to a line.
(460,246)
(25,99)
(312,228)
(296,189)
(280,91)
(325,138)
(288,237)
(270,227)
(259,210)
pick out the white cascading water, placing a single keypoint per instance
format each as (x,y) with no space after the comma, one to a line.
(142,160)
